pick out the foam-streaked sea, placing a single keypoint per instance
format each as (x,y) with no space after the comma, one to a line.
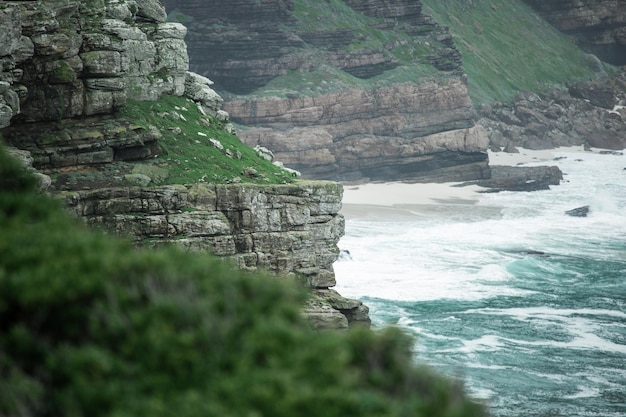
(523,303)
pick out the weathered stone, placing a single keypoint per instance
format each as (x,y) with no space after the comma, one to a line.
(578,212)
(151,10)
(371,134)
(138,179)
(517,178)
(582,115)
(102,63)
(11,22)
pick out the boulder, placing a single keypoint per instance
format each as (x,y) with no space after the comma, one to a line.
(579,211)
(508,178)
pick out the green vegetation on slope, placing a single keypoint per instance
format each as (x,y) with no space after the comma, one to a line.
(410,51)
(507,47)
(90,326)
(188,154)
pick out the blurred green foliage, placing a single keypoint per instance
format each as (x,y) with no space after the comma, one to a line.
(90,326)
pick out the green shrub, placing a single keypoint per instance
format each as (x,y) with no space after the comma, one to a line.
(90,326)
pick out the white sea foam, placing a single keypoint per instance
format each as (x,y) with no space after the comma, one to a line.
(584,392)
(484,282)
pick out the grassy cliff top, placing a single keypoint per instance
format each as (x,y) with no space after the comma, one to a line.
(198,148)
(193,147)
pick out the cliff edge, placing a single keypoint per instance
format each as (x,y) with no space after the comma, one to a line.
(97,97)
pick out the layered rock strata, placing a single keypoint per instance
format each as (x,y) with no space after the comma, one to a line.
(598,26)
(421,130)
(288,230)
(68,66)
(350,135)
(70,59)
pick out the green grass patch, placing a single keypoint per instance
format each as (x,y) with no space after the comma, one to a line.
(508,48)
(188,153)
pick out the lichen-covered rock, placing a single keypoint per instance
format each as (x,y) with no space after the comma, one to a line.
(286,229)
(76,59)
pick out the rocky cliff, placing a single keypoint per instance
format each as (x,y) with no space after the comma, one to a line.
(289,230)
(340,90)
(70,70)
(598,26)
(586,113)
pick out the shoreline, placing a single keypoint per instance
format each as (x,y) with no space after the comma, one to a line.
(408,200)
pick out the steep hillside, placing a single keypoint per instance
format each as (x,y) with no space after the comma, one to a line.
(507,48)
(340,89)
(597,26)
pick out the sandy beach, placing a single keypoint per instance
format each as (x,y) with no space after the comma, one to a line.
(397,199)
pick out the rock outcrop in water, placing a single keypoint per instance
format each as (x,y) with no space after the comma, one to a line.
(334,126)
(579,211)
(69,66)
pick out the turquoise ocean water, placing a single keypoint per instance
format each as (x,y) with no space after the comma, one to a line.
(523,303)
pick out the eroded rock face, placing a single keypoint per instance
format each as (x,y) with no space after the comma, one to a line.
(598,26)
(77,59)
(419,130)
(284,229)
(404,131)
(587,113)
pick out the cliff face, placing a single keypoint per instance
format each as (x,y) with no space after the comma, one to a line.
(68,67)
(598,26)
(284,229)
(340,90)
(352,134)
(76,59)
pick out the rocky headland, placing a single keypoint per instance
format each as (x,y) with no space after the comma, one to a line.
(589,113)
(349,91)
(69,71)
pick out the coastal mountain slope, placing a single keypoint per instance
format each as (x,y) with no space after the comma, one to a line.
(598,26)
(355,90)
(340,89)
(537,87)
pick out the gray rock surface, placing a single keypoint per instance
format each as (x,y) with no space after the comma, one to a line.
(587,113)
(64,59)
(289,230)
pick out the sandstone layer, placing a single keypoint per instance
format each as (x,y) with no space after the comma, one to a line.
(420,128)
(598,26)
(403,131)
